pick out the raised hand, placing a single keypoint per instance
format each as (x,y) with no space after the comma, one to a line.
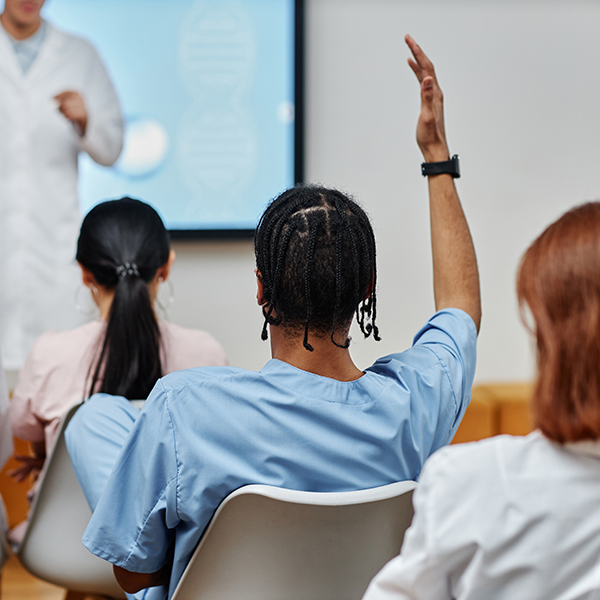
(431,133)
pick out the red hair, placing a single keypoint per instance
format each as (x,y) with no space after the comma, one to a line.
(559,282)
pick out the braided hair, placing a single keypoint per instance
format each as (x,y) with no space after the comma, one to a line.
(123,243)
(315,251)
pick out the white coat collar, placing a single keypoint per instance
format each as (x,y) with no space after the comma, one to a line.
(586,447)
(9,62)
(43,63)
(48,53)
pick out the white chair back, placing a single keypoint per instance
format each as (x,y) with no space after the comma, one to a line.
(268,543)
(4,545)
(52,548)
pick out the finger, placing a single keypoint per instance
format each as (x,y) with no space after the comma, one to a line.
(64,97)
(427,116)
(427,90)
(68,109)
(420,56)
(72,116)
(19,474)
(427,113)
(72,105)
(415,49)
(22,457)
(418,53)
(416,69)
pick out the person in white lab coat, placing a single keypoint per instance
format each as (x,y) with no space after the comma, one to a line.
(57,101)
(515,517)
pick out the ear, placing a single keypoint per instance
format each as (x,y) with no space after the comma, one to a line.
(87,278)
(163,272)
(260,288)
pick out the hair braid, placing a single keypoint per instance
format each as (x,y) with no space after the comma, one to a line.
(276,277)
(368,306)
(310,255)
(272,230)
(345,228)
(338,288)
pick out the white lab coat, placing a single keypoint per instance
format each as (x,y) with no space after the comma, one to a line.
(510,518)
(39,212)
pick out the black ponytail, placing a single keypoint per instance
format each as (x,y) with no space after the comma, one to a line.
(123,243)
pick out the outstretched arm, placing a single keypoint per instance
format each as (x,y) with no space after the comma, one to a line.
(455,275)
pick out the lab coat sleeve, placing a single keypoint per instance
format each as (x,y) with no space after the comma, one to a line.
(103,138)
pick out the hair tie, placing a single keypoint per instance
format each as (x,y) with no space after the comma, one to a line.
(130,269)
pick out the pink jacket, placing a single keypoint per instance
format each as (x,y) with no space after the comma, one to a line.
(55,376)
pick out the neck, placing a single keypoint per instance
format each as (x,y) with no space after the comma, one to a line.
(103,298)
(19,31)
(326,359)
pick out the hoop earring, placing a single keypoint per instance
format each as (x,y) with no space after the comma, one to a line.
(164,306)
(90,312)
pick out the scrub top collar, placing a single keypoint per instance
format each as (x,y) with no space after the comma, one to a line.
(325,388)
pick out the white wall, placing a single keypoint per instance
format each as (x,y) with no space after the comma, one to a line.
(522,97)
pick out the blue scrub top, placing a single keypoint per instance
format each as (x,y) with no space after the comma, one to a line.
(205,432)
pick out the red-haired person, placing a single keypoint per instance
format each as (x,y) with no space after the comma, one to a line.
(519,517)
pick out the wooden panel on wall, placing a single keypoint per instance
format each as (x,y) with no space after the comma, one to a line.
(496,408)
(480,420)
(513,401)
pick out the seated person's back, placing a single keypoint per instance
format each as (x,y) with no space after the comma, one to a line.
(310,419)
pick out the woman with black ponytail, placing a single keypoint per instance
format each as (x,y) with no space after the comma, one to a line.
(124,255)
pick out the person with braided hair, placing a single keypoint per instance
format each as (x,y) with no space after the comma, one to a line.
(310,419)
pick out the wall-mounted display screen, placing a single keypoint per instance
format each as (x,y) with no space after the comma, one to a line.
(210,91)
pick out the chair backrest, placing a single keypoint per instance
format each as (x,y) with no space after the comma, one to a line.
(268,543)
(52,548)
(4,546)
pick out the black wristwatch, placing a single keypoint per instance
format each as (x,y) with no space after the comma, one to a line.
(438,168)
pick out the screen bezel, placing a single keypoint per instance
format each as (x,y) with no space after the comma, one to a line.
(246,234)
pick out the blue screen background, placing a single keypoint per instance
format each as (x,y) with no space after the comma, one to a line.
(207,90)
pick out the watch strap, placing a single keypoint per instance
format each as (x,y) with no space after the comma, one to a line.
(451,167)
